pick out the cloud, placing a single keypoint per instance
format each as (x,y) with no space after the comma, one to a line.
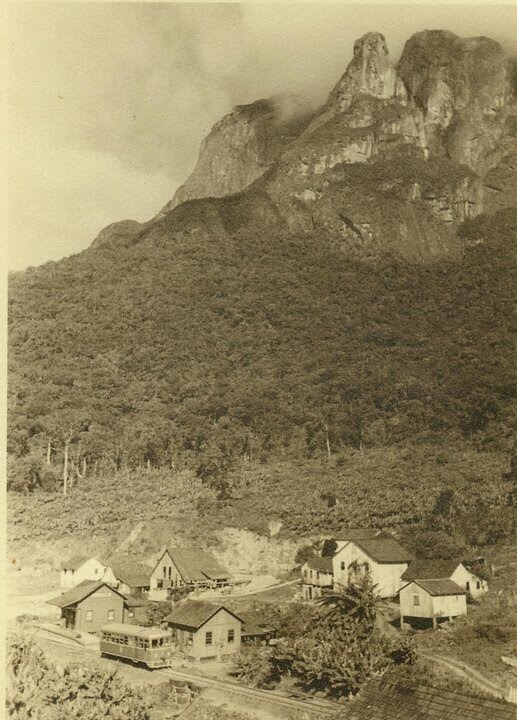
(110,101)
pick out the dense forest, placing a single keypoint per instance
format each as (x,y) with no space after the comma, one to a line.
(201,355)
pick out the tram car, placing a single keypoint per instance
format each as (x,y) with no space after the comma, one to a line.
(149,646)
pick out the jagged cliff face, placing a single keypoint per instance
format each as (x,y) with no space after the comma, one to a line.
(464,88)
(394,160)
(242,146)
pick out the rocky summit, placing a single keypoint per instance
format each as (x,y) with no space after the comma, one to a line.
(393,162)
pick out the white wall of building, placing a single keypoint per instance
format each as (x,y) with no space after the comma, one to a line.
(385,575)
(91,569)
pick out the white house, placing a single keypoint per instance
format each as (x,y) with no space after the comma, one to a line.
(316,575)
(380,556)
(79,568)
(432,600)
(454,570)
(185,567)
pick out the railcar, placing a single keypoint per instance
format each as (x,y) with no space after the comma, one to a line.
(149,646)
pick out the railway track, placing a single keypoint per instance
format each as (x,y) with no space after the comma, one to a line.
(325,708)
(305,703)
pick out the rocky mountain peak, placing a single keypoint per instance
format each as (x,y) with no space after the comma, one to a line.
(369,73)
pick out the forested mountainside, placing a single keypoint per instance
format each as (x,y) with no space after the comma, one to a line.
(354,292)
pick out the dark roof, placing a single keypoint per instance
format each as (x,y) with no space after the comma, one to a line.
(442,586)
(384,550)
(250,630)
(74,562)
(382,700)
(133,574)
(193,614)
(197,565)
(430,569)
(80,592)
(323,564)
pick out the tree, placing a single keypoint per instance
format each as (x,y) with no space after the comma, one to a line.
(359,602)
(35,688)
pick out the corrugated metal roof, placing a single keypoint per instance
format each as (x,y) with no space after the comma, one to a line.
(193,614)
(382,700)
(384,550)
(133,574)
(442,586)
(197,565)
(80,592)
(430,569)
(322,564)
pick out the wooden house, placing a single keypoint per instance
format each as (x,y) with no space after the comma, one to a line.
(316,575)
(381,556)
(182,567)
(132,578)
(432,600)
(455,570)
(91,605)
(204,631)
(81,567)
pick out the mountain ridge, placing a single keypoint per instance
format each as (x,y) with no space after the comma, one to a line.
(449,100)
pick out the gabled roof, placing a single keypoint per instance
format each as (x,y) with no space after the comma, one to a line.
(384,550)
(80,592)
(430,569)
(345,536)
(134,574)
(197,565)
(382,700)
(193,614)
(322,564)
(439,587)
(75,562)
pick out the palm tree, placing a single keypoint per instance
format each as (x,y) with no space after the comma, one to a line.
(359,601)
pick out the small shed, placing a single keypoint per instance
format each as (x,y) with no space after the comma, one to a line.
(316,575)
(432,600)
(132,577)
(205,631)
(89,606)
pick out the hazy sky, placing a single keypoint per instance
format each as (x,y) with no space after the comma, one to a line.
(109,101)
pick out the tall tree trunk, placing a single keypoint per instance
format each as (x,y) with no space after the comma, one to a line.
(65,469)
(49,453)
(327,440)
(148,464)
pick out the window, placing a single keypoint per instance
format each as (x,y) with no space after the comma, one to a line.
(89,615)
(231,636)
(467,585)
(96,571)
(159,584)
(317,575)
(416,600)
(311,574)
(164,571)
(342,565)
(170,572)
(208,638)
(111,614)
(478,585)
